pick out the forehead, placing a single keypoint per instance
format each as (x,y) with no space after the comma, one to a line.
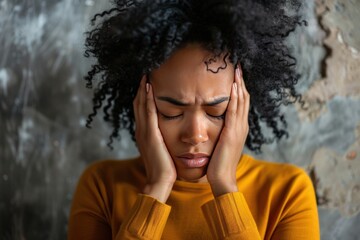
(189,75)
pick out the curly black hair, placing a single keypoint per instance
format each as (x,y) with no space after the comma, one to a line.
(137,36)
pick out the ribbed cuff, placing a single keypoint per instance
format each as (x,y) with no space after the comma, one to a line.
(229,215)
(148,217)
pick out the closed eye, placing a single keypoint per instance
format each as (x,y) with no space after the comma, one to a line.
(219,117)
(170,117)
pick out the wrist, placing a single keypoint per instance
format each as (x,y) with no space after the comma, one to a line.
(223,187)
(159,191)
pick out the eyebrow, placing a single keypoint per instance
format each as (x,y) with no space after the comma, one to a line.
(179,103)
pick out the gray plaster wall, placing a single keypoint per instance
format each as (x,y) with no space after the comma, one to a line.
(44,145)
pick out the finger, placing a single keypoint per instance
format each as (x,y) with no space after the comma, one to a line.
(246,100)
(245,103)
(138,107)
(230,117)
(139,99)
(151,110)
(142,91)
(238,80)
(136,99)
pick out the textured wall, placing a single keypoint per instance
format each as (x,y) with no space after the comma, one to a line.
(325,137)
(43,106)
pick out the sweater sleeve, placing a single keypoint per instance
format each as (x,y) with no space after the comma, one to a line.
(229,217)
(90,215)
(299,219)
(146,219)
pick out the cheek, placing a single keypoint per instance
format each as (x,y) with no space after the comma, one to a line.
(215,131)
(169,131)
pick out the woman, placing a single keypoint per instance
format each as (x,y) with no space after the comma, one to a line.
(179,75)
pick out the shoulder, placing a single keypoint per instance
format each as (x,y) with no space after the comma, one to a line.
(273,169)
(283,193)
(110,165)
(279,176)
(93,197)
(286,187)
(109,171)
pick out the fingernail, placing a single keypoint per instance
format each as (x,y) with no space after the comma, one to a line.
(235,86)
(147,87)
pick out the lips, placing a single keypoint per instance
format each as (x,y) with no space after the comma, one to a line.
(194,160)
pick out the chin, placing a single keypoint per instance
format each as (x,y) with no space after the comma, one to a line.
(192,175)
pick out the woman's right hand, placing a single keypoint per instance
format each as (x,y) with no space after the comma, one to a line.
(160,168)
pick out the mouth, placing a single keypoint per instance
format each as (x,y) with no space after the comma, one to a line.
(194,160)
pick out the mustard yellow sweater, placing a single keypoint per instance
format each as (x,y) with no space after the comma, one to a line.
(275,201)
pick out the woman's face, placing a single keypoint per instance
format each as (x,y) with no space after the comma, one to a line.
(191,102)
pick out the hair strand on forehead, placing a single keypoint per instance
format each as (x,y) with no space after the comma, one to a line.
(214,60)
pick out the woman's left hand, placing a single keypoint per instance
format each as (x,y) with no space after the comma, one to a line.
(221,172)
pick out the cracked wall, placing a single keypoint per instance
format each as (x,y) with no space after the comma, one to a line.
(43,105)
(324,137)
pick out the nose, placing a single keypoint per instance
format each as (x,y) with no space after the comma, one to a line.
(195,131)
